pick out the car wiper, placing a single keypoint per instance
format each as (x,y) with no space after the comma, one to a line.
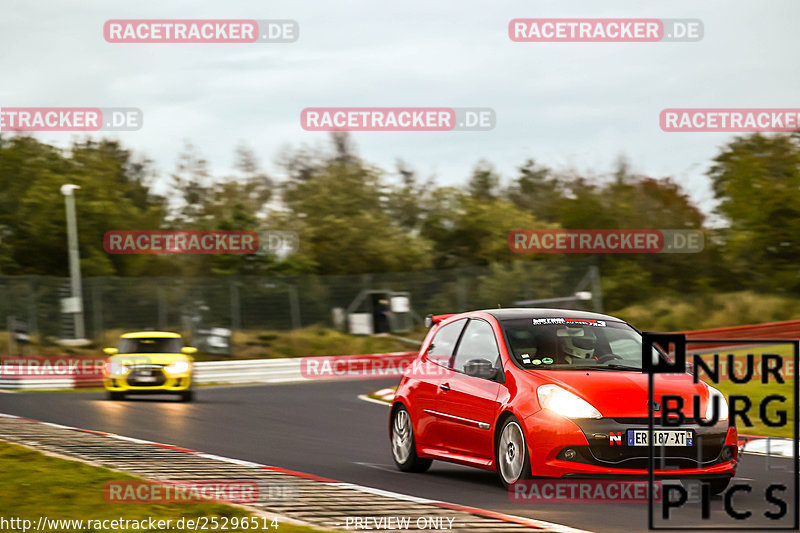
(610,367)
(577,367)
(616,366)
(598,367)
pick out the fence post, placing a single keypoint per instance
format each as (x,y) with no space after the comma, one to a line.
(236,318)
(461,289)
(597,289)
(33,326)
(6,307)
(10,329)
(97,310)
(294,306)
(162,306)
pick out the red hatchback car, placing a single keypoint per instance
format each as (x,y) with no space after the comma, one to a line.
(553,393)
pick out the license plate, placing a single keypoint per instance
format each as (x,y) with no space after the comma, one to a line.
(661,437)
(146,379)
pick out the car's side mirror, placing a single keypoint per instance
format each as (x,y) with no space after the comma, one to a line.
(189,350)
(480,368)
(110,351)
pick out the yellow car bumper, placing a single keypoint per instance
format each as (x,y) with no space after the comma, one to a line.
(176,383)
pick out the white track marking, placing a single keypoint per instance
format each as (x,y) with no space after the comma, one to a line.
(541,524)
(373,400)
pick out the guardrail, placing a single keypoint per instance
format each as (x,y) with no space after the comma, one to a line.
(786,330)
(299,369)
(248,371)
(37,383)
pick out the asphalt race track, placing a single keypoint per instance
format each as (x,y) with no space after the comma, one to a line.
(324,429)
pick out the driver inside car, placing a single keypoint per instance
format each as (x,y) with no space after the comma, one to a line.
(577,345)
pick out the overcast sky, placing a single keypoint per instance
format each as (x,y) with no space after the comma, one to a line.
(568,105)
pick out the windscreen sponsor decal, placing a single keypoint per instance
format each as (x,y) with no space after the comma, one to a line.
(571,321)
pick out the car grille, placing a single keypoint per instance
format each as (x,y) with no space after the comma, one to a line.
(707,448)
(146,376)
(642,463)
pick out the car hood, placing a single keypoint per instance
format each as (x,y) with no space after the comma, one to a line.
(148,358)
(624,393)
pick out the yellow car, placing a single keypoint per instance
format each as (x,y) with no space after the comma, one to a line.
(149,362)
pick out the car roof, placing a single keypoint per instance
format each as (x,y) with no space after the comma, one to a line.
(151,335)
(539,312)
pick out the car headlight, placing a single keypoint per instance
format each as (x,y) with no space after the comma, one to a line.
(115,368)
(178,367)
(722,408)
(565,403)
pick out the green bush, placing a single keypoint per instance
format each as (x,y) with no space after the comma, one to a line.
(678,313)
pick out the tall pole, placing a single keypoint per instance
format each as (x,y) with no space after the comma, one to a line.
(597,289)
(74,259)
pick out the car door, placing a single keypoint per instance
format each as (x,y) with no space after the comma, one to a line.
(467,405)
(428,377)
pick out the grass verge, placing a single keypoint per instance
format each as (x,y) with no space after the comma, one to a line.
(263,344)
(37,485)
(702,311)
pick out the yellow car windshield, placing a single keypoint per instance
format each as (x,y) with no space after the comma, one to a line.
(150,345)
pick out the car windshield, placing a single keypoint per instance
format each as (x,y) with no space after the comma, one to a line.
(559,343)
(150,345)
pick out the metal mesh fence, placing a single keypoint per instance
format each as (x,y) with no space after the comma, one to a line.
(274,303)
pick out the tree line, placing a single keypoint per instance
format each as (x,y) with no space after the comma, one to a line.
(352,216)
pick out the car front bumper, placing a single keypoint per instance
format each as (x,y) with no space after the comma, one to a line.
(176,383)
(560,447)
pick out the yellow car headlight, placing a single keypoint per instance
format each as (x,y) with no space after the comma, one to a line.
(116,369)
(178,367)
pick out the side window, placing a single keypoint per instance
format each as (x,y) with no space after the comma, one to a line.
(441,348)
(478,342)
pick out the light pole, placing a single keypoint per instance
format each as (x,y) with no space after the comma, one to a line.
(75,305)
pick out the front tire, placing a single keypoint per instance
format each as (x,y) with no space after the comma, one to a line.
(404,447)
(187,395)
(511,453)
(115,395)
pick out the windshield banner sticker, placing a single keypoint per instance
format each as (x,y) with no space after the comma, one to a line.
(572,321)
